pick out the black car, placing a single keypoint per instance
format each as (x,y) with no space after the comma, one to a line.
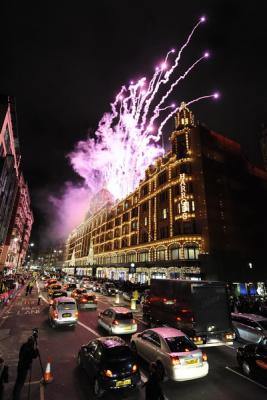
(110,364)
(252,359)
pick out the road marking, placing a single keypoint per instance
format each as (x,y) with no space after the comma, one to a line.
(143,377)
(89,329)
(247,378)
(42,297)
(142,322)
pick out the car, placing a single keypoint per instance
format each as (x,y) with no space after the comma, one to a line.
(87,283)
(49,282)
(86,301)
(63,312)
(249,327)
(69,287)
(117,320)
(56,294)
(176,355)
(76,293)
(97,287)
(252,359)
(53,287)
(110,364)
(109,289)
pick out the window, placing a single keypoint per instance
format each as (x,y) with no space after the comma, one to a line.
(145,190)
(182,147)
(191,253)
(133,240)
(143,256)
(144,237)
(180,344)
(163,196)
(135,212)
(124,242)
(192,205)
(175,253)
(145,221)
(160,253)
(125,229)
(125,217)
(164,232)
(185,168)
(145,206)
(162,178)
(134,225)
(189,227)
(164,213)
(155,339)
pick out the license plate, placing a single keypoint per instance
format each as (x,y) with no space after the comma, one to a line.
(198,341)
(66,315)
(125,382)
(127,328)
(193,361)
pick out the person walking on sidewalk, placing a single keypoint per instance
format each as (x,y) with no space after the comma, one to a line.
(26,354)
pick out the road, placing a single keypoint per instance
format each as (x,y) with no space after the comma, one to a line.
(224,380)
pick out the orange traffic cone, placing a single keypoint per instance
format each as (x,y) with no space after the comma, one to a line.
(48,377)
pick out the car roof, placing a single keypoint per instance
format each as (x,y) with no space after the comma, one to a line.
(121,310)
(65,299)
(252,317)
(111,341)
(167,332)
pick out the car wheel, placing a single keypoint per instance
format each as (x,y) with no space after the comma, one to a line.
(246,368)
(98,391)
(161,371)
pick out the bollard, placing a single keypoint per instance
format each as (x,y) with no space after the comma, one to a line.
(133,304)
(117,298)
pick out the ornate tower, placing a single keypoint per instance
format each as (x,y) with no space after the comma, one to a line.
(184,121)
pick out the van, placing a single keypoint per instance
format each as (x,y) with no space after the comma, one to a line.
(249,327)
(63,312)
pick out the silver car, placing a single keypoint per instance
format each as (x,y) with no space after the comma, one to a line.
(177,356)
(249,327)
(63,312)
(117,320)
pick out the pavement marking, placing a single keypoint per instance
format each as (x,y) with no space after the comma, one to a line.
(142,322)
(89,329)
(246,377)
(45,300)
(143,377)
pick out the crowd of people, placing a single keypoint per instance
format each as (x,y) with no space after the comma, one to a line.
(249,305)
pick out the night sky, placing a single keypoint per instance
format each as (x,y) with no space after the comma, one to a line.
(65,61)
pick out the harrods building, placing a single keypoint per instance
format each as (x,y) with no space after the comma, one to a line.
(200,212)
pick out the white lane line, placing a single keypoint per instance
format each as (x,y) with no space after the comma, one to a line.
(45,300)
(89,329)
(143,377)
(142,322)
(247,378)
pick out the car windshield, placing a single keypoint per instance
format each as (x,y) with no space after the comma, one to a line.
(263,324)
(56,287)
(118,353)
(180,344)
(110,286)
(72,286)
(124,316)
(66,306)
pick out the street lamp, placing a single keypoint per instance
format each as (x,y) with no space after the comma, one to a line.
(31,244)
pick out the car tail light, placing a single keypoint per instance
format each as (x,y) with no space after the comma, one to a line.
(178,319)
(108,373)
(134,368)
(175,360)
(84,301)
(55,314)
(76,314)
(115,322)
(197,339)
(133,321)
(204,357)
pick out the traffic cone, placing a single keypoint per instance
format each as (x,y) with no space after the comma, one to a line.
(48,377)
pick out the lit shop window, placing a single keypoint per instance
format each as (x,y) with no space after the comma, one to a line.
(160,254)
(143,256)
(191,253)
(175,253)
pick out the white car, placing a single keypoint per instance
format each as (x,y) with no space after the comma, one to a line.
(177,356)
(117,321)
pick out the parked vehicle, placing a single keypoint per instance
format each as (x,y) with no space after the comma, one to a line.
(117,320)
(63,312)
(249,327)
(108,289)
(252,359)
(177,356)
(199,308)
(109,363)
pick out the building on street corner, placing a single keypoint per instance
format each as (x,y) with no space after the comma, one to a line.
(16,217)
(199,212)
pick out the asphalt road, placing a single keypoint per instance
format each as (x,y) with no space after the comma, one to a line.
(224,380)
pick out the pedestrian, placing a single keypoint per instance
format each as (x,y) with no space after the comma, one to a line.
(152,385)
(27,289)
(31,284)
(26,354)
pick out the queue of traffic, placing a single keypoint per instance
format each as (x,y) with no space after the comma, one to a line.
(202,318)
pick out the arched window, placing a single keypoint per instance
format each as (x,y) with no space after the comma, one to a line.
(160,253)
(191,252)
(175,252)
(130,257)
(143,256)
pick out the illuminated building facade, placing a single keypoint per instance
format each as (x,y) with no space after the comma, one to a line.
(188,217)
(15,213)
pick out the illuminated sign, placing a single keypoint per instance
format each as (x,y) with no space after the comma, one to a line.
(183,201)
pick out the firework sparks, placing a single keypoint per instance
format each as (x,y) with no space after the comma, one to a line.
(127,139)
